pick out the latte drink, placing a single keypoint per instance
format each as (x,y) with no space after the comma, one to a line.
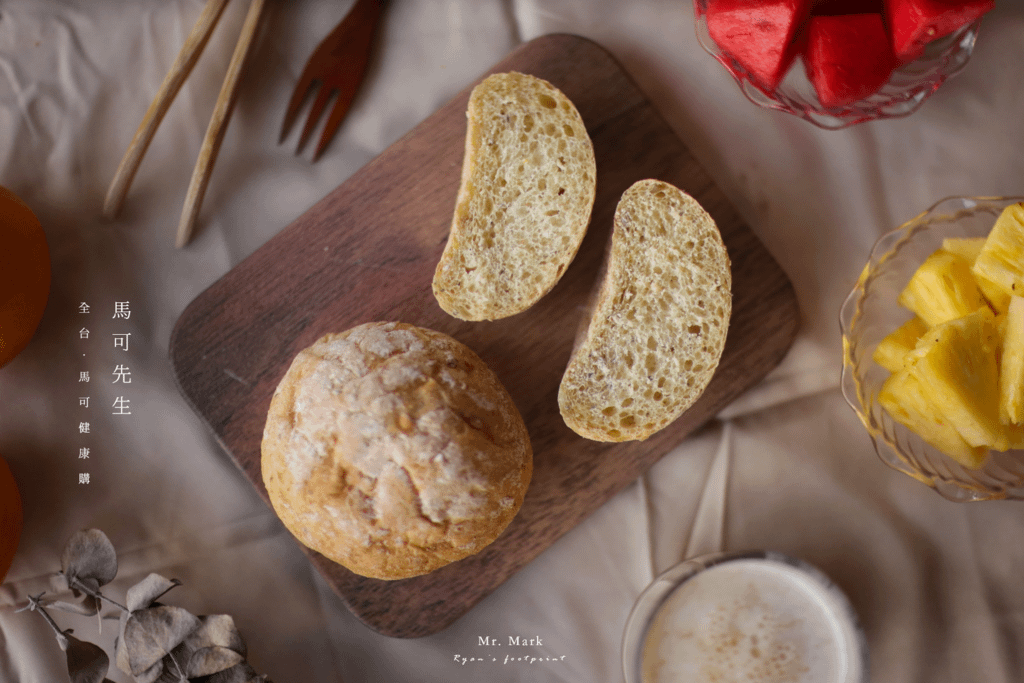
(753,620)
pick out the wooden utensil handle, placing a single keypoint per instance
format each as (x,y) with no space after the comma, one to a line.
(183,64)
(218,125)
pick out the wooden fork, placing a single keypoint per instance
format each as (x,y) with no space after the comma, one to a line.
(338,65)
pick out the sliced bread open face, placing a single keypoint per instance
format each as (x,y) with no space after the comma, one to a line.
(659,322)
(528,186)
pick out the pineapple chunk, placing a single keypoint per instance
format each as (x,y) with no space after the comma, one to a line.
(966,248)
(942,289)
(957,365)
(1001,260)
(997,298)
(1011,371)
(891,351)
(904,398)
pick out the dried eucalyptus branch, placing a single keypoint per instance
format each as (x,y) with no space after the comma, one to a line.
(156,643)
(76,585)
(35,605)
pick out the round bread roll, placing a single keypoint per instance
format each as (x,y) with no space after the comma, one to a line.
(394,450)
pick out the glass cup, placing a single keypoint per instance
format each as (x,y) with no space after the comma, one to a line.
(757,615)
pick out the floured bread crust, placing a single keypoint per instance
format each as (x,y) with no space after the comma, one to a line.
(394,450)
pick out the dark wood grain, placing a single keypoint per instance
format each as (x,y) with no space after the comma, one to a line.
(367,252)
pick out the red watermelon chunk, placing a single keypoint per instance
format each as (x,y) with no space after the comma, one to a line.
(758,34)
(834,7)
(848,57)
(915,23)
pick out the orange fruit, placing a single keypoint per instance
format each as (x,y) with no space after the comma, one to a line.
(10,518)
(24,275)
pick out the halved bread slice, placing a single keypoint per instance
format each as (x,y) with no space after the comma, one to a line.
(528,184)
(658,327)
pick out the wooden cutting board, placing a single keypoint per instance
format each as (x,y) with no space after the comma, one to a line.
(367,251)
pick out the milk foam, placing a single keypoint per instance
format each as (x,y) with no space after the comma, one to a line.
(752,620)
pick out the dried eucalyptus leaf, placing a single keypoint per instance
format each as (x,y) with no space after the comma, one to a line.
(86,607)
(59,582)
(145,592)
(152,674)
(209,660)
(181,654)
(217,630)
(150,634)
(171,675)
(240,673)
(167,672)
(120,651)
(87,663)
(89,555)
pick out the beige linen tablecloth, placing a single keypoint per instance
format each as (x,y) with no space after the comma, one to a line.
(937,584)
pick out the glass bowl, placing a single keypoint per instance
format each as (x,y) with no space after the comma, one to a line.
(744,614)
(871,312)
(908,87)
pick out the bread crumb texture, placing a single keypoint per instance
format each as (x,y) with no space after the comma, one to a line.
(528,186)
(394,450)
(660,320)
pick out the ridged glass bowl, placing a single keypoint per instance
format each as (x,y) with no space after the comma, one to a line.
(871,312)
(910,85)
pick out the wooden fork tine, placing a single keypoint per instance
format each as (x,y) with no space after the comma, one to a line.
(322,97)
(179,71)
(358,51)
(341,106)
(338,112)
(295,103)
